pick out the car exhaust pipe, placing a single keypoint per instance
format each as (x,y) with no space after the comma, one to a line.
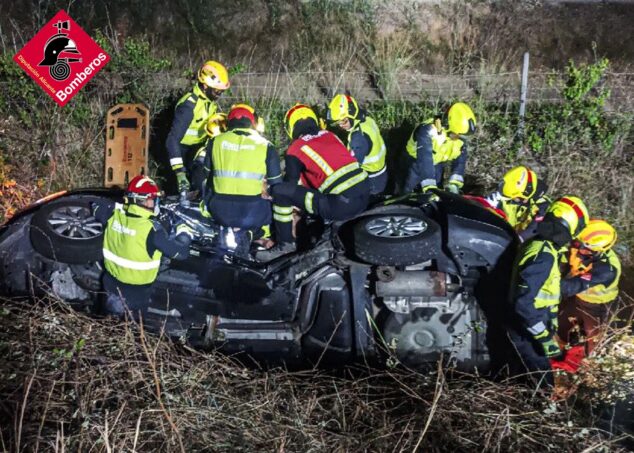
(392,283)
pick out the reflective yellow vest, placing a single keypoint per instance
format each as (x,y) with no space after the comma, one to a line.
(203,109)
(600,294)
(375,160)
(550,292)
(239,162)
(443,148)
(125,253)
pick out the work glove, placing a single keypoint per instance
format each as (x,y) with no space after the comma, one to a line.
(183,182)
(455,184)
(550,345)
(183,228)
(452,188)
(429,187)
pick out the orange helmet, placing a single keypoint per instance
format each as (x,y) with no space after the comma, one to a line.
(598,236)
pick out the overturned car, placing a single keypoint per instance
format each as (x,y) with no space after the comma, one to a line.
(414,277)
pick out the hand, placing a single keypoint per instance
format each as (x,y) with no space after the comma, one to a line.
(183,182)
(429,187)
(455,184)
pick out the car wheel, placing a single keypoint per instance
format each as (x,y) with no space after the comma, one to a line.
(66,231)
(396,239)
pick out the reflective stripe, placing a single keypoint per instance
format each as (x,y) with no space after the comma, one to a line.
(284,218)
(537,328)
(456,178)
(545,295)
(238,174)
(136,265)
(315,157)
(376,158)
(338,174)
(176,161)
(308,202)
(377,173)
(545,299)
(428,182)
(282,209)
(349,183)
(194,132)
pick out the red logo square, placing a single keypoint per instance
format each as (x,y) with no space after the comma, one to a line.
(61,58)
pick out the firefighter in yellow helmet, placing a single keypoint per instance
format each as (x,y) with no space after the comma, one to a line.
(431,147)
(321,177)
(193,110)
(592,271)
(537,284)
(522,197)
(364,139)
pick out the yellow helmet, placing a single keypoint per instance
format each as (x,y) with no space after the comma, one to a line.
(570,212)
(214,75)
(342,106)
(216,124)
(461,119)
(296,113)
(598,236)
(519,182)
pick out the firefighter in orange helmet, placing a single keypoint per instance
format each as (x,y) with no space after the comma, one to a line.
(591,283)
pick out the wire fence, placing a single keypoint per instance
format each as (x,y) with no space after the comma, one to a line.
(318,86)
(414,86)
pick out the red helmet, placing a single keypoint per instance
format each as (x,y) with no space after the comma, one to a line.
(239,111)
(143,188)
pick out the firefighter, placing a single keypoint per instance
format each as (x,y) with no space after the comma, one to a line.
(240,164)
(364,139)
(522,197)
(192,113)
(536,284)
(333,184)
(133,245)
(431,147)
(591,283)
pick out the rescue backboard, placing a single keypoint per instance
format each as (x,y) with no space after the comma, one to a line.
(127,141)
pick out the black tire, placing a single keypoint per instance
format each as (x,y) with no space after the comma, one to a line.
(409,237)
(66,231)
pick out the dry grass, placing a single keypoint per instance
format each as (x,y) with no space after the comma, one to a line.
(71,383)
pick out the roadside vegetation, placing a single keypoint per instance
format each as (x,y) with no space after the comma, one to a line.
(71,383)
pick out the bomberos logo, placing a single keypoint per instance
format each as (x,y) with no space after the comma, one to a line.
(61,58)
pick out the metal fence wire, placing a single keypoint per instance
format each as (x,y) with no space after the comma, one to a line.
(318,86)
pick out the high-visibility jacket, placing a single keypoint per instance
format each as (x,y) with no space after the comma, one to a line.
(443,148)
(549,293)
(239,162)
(601,293)
(203,108)
(329,166)
(125,251)
(375,160)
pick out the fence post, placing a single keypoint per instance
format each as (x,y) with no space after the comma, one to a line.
(523,92)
